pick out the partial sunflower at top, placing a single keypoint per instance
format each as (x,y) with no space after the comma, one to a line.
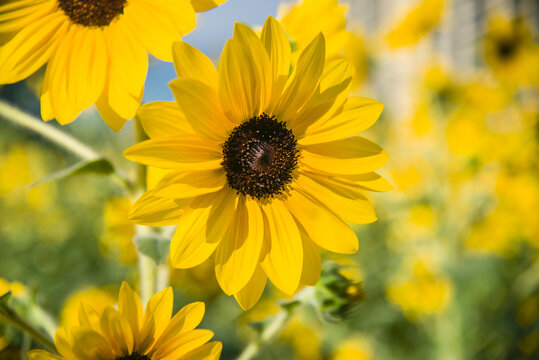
(264,166)
(96,50)
(304,19)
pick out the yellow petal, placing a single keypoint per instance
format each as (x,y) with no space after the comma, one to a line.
(128,68)
(130,306)
(200,104)
(163,118)
(15,15)
(159,24)
(114,120)
(204,5)
(209,351)
(311,261)
(63,343)
(358,114)
(181,184)
(91,345)
(350,156)
(30,48)
(179,345)
(151,210)
(238,254)
(349,205)
(304,79)
(329,96)
(369,181)
(322,225)
(284,258)
(201,228)
(191,63)
(176,152)
(278,48)
(248,296)
(157,315)
(117,330)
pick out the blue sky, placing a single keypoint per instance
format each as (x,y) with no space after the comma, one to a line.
(213,29)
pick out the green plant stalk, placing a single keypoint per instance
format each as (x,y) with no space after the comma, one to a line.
(60,138)
(13,318)
(146,266)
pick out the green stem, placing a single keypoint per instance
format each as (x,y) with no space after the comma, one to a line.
(146,267)
(60,138)
(14,318)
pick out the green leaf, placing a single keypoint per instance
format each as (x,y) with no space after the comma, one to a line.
(98,166)
(153,246)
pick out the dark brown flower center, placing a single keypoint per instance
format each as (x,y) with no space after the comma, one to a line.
(507,48)
(134,356)
(92,12)
(259,157)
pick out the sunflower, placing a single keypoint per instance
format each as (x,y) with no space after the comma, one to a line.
(263,165)
(300,21)
(127,334)
(418,23)
(511,51)
(96,50)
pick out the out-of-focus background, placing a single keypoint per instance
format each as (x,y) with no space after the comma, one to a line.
(450,270)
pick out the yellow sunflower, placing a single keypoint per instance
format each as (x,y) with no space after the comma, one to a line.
(418,23)
(265,165)
(304,19)
(127,334)
(511,51)
(96,50)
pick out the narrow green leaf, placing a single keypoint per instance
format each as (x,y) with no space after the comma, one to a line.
(98,166)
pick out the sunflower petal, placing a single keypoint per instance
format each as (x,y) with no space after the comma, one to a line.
(238,254)
(163,118)
(350,156)
(181,184)
(191,63)
(209,351)
(321,225)
(200,104)
(152,210)
(278,48)
(311,261)
(248,296)
(205,5)
(176,152)
(284,258)
(304,80)
(358,114)
(201,228)
(130,306)
(118,331)
(30,48)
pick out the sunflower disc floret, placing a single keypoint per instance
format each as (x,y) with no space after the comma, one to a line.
(259,157)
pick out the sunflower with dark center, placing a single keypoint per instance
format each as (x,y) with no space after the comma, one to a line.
(259,167)
(129,333)
(96,51)
(511,52)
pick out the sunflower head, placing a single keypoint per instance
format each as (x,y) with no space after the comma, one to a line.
(264,165)
(126,333)
(93,12)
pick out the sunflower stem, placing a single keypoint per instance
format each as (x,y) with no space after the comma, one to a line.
(12,317)
(146,266)
(60,138)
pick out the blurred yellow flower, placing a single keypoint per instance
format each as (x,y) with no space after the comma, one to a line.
(17,289)
(305,340)
(128,334)
(511,51)
(420,290)
(118,231)
(417,23)
(198,282)
(268,167)
(354,348)
(302,21)
(98,298)
(96,50)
